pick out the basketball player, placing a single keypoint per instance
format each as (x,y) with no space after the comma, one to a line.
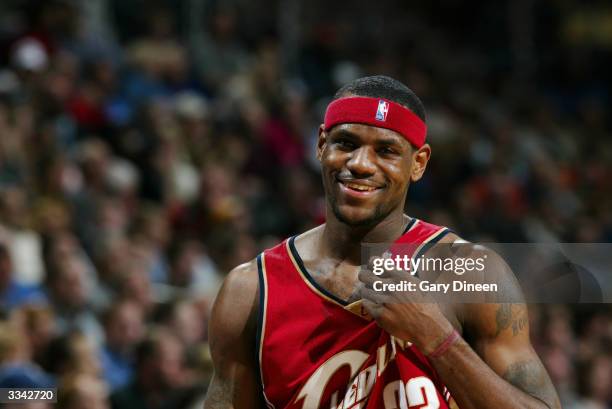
(301,326)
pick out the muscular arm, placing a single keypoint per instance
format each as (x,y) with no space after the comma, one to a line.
(496,367)
(499,367)
(235,381)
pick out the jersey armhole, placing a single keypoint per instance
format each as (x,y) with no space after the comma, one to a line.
(430,242)
(261,322)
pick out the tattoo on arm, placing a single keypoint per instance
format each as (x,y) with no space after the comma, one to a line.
(531,378)
(502,317)
(505,318)
(520,323)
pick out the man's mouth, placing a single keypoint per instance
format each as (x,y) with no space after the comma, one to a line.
(358,187)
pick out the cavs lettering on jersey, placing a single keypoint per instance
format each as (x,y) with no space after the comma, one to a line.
(315,351)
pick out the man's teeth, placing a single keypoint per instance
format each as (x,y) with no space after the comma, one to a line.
(361,188)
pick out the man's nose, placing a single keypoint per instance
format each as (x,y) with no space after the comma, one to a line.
(362,162)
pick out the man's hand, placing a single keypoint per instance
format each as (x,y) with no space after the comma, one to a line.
(408,315)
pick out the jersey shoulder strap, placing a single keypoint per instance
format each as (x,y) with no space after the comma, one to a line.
(418,237)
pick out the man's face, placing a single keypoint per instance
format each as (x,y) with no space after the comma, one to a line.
(70,285)
(169,363)
(126,327)
(366,171)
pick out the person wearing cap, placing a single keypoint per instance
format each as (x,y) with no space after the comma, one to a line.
(303,325)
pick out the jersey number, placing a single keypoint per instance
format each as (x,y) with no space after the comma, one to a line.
(418,392)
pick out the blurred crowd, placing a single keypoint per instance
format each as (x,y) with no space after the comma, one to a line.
(147,147)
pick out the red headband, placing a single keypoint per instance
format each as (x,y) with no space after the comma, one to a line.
(377,112)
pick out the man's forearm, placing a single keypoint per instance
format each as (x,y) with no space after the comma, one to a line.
(219,395)
(474,385)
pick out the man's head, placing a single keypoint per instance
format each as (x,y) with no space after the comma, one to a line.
(159,361)
(68,283)
(368,164)
(124,326)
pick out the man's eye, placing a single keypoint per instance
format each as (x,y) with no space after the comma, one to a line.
(386,151)
(344,144)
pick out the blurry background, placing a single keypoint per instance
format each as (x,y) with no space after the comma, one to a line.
(147,147)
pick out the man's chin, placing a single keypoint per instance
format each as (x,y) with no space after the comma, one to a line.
(358,218)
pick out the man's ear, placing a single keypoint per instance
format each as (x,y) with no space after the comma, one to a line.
(420,157)
(321,142)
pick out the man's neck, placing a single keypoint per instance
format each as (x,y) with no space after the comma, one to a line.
(343,242)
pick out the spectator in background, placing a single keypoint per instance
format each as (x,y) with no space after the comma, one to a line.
(95,161)
(124,328)
(82,392)
(37,324)
(12,293)
(70,294)
(52,217)
(218,53)
(114,258)
(192,270)
(159,60)
(150,234)
(185,319)
(63,246)
(134,283)
(560,368)
(191,145)
(72,354)
(17,229)
(16,368)
(13,168)
(594,380)
(160,379)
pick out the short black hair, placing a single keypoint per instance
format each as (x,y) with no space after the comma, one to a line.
(381,86)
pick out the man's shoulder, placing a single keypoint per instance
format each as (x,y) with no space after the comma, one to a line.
(236,305)
(456,246)
(242,279)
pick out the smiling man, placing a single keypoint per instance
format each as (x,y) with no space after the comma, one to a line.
(301,326)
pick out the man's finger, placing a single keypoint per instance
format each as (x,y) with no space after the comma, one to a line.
(367,277)
(372,295)
(372,308)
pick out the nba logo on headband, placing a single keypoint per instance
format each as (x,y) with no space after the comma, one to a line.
(381,112)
